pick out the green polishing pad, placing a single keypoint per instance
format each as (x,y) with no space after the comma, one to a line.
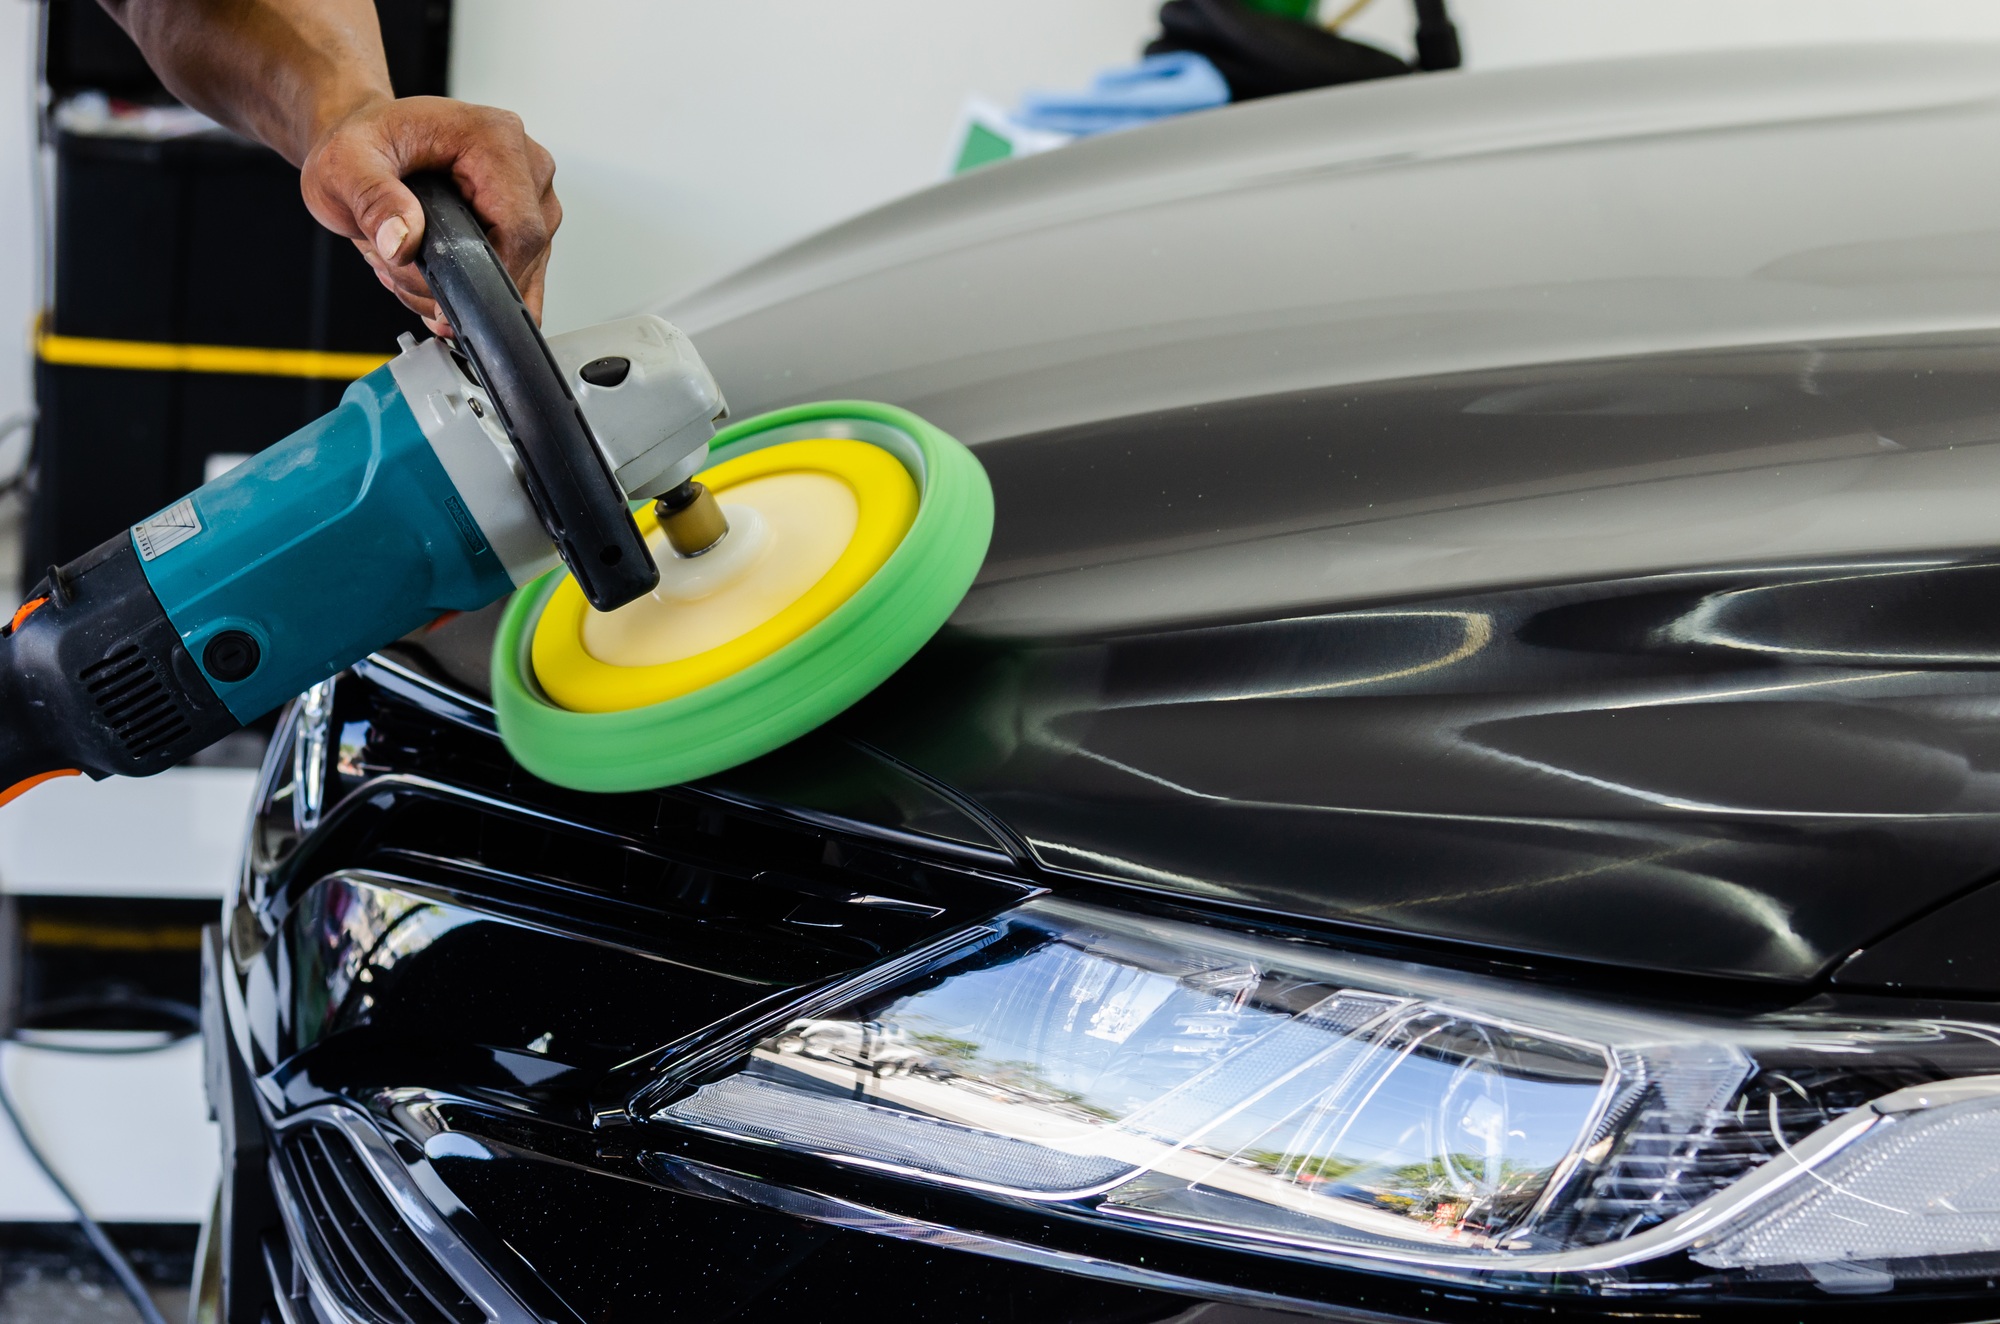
(787,692)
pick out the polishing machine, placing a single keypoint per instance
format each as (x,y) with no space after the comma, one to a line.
(443,480)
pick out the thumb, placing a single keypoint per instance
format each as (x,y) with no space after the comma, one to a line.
(388,216)
(354,187)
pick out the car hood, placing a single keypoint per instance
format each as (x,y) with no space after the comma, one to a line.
(1549,510)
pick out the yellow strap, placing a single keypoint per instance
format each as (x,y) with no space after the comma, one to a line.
(41,932)
(151,356)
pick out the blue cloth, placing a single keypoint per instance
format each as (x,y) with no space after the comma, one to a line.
(1153,89)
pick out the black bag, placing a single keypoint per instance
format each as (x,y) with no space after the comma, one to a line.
(1262,55)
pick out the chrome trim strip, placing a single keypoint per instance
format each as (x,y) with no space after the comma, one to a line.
(456,1258)
(325,1303)
(314,711)
(283,1299)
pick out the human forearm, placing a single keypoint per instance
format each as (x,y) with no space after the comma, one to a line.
(281,71)
(309,78)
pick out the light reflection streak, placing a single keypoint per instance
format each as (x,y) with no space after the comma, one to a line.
(1656,798)
(1762,910)
(1706,696)
(1476,632)
(1703,625)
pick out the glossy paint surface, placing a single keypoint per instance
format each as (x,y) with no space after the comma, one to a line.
(1748,672)
(1590,586)
(1948,950)
(1699,772)
(1663,662)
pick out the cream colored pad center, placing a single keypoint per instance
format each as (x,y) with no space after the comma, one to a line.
(785,532)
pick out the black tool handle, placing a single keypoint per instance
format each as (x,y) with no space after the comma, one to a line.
(573,489)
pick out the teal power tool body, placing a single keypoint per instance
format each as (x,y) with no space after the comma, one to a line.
(442,481)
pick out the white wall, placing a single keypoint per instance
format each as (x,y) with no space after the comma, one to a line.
(18,262)
(128,1133)
(691,135)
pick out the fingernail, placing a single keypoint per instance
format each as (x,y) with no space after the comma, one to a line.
(389,237)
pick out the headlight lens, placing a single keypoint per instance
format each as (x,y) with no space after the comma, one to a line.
(1201,1083)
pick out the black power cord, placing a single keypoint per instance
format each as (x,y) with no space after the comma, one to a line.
(18,479)
(185,1018)
(107,1250)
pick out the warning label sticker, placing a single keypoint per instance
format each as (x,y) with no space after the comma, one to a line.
(167,530)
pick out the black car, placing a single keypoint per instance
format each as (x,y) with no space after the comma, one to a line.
(1467,788)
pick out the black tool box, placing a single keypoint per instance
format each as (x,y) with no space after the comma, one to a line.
(195,240)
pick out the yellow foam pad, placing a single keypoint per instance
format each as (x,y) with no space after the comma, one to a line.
(807,495)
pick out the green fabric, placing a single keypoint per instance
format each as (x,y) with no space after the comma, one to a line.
(982,147)
(807,682)
(1301,10)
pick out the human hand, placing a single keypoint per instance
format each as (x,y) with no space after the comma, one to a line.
(353,183)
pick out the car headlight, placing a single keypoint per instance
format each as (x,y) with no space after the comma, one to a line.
(1328,1106)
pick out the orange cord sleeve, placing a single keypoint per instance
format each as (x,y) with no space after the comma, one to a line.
(21,788)
(24,611)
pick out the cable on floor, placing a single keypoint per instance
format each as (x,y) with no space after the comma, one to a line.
(107,1250)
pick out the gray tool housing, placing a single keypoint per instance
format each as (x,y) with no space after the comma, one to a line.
(652,423)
